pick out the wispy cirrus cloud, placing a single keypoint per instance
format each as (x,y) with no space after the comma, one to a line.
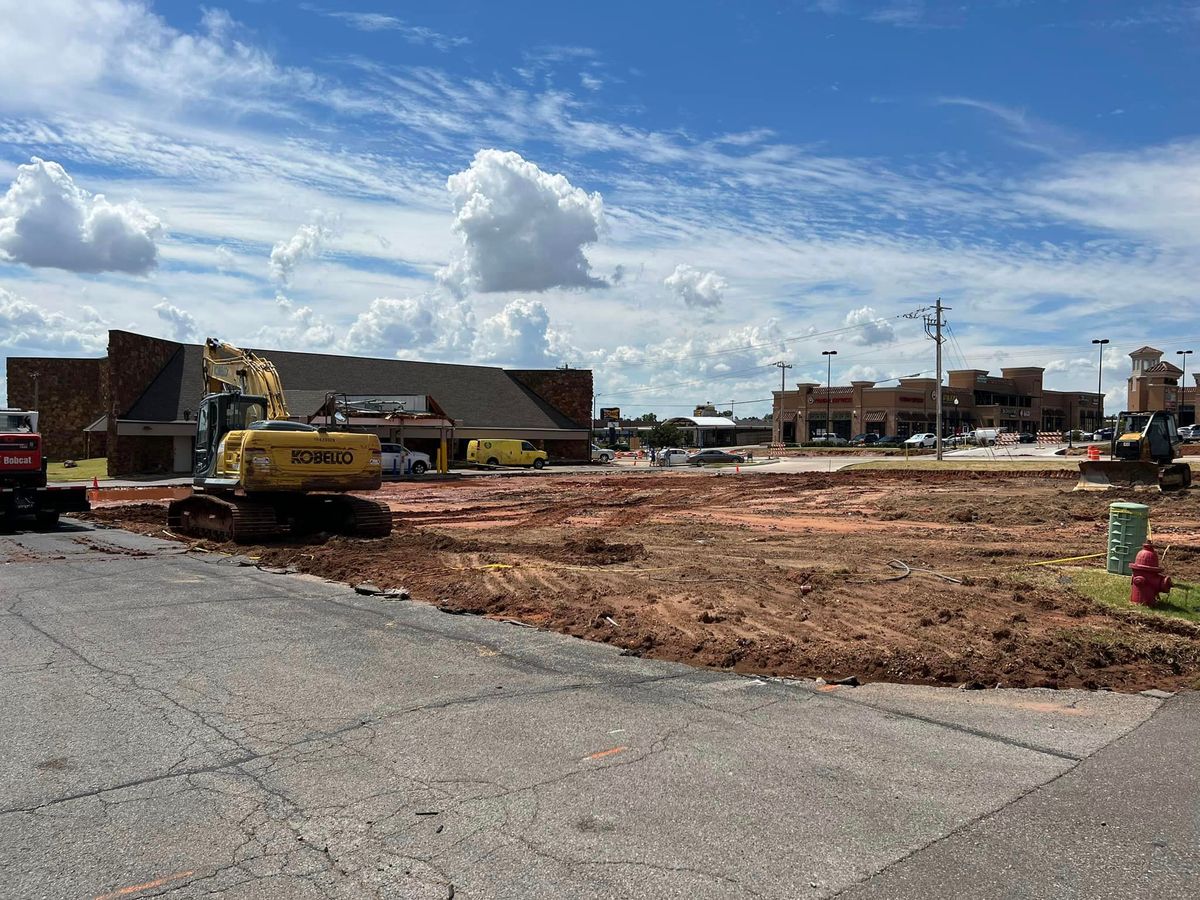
(376,21)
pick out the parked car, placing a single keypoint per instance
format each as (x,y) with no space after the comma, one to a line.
(399,460)
(888,440)
(1187,432)
(830,440)
(672,456)
(704,457)
(922,440)
(506,453)
(1104,434)
(864,439)
(600,454)
(1027,437)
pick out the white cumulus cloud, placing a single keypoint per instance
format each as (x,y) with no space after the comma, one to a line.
(29,328)
(183,324)
(297,328)
(420,327)
(520,335)
(48,221)
(521,229)
(873,331)
(697,289)
(304,244)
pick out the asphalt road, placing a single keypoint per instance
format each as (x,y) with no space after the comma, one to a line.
(176,725)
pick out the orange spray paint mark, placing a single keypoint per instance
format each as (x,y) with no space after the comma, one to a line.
(138,888)
(612,751)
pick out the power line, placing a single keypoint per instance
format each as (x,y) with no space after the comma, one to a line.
(692,382)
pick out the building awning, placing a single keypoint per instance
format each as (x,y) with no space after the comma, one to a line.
(100,425)
(142,428)
(703,421)
(876,416)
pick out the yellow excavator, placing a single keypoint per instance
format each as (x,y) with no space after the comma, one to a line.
(257,475)
(1143,452)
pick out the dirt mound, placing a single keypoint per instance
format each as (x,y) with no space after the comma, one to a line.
(143,518)
(881,575)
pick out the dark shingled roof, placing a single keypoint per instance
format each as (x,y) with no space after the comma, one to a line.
(475,396)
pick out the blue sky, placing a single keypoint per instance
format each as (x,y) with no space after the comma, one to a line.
(674,194)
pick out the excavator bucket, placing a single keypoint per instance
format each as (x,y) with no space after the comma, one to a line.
(1110,475)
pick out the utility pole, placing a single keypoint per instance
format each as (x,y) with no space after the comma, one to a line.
(34,376)
(783,367)
(933,327)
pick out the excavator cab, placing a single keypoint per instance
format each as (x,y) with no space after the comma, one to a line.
(218,415)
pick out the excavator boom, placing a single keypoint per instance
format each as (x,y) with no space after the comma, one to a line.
(227,366)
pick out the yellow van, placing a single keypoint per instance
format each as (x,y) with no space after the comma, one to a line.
(506,453)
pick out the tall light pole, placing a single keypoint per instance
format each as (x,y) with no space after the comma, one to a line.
(1100,342)
(829,355)
(1183,384)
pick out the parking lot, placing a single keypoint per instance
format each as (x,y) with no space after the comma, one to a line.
(182,726)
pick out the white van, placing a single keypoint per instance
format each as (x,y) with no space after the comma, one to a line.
(985,437)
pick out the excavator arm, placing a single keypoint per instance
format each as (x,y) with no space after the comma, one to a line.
(227,366)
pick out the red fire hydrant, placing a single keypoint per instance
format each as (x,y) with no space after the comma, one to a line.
(1148,578)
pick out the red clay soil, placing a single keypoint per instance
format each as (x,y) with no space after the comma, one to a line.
(783,574)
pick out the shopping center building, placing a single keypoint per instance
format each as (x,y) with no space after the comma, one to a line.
(972,398)
(1155,383)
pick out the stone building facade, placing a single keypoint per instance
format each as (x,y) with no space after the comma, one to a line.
(570,392)
(141,400)
(71,394)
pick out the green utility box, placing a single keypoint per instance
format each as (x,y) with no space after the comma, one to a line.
(1128,526)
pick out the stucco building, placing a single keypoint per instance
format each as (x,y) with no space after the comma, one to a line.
(1155,383)
(971,398)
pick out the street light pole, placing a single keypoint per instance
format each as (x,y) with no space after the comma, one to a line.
(829,355)
(1183,386)
(1100,342)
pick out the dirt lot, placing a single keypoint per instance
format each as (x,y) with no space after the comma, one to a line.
(783,574)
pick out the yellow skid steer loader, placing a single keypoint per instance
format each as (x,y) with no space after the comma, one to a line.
(1144,447)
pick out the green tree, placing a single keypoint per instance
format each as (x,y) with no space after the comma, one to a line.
(647,418)
(664,434)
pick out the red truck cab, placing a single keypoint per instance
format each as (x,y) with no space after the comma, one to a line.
(23,488)
(21,459)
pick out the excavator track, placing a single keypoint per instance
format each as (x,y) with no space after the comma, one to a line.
(343,514)
(237,519)
(371,518)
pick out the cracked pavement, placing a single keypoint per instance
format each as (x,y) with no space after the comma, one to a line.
(179,726)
